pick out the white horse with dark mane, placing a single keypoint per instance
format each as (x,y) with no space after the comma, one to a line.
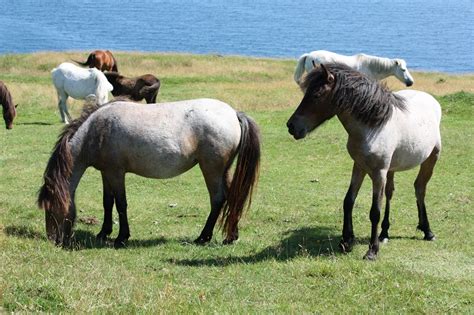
(374,67)
(78,83)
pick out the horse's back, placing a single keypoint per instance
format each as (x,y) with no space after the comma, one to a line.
(324,56)
(422,103)
(417,128)
(161,140)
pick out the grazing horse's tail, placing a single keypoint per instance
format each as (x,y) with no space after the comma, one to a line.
(114,67)
(245,176)
(54,196)
(153,90)
(300,68)
(90,62)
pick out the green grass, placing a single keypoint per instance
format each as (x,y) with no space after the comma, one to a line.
(286,260)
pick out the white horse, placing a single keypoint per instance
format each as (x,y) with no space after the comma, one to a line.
(388,132)
(78,83)
(377,68)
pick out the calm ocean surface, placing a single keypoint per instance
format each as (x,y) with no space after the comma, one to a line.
(430,35)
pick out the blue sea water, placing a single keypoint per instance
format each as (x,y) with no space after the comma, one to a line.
(430,35)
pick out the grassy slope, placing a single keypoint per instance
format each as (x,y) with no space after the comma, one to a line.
(286,260)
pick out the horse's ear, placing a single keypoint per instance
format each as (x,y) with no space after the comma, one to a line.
(329,76)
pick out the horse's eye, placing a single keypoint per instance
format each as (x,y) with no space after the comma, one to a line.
(404,70)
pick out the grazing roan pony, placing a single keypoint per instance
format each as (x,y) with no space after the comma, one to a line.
(388,132)
(143,87)
(374,67)
(78,83)
(155,141)
(100,59)
(9,110)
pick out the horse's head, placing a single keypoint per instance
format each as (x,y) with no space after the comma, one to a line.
(402,73)
(9,114)
(316,106)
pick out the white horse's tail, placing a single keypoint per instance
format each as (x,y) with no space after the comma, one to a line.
(300,68)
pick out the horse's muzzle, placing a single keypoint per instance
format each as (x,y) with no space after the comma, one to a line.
(292,130)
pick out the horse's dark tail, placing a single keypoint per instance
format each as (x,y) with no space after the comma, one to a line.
(54,196)
(114,67)
(153,90)
(245,177)
(90,61)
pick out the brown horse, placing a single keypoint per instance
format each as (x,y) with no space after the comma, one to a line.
(9,110)
(143,87)
(100,59)
(388,132)
(154,141)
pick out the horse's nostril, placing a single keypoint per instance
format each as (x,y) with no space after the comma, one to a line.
(289,125)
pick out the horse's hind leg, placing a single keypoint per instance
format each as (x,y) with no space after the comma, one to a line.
(62,106)
(426,170)
(217,184)
(389,188)
(108,202)
(116,180)
(348,237)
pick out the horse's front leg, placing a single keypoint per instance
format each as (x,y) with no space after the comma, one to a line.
(379,178)
(348,237)
(108,203)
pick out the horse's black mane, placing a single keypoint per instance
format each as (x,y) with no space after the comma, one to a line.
(369,101)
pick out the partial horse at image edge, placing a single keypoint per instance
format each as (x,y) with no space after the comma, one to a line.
(210,133)
(8,108)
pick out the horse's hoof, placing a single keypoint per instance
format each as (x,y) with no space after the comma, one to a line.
(229,241)
(202,240)
(429,236)
(370,255)
(384,240)
(346,247)
(120,244)
(101,237)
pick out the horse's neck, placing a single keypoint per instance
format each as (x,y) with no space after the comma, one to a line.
(356,130)
(377,67)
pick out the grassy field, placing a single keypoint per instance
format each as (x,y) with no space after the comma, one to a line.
(286,260)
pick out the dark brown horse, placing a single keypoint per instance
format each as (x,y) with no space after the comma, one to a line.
(143,87)
(100,59)
(9,110)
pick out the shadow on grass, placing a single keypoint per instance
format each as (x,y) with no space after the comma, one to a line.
(81,240)
(312,242)
(87,240)
(35,123)
(23,232)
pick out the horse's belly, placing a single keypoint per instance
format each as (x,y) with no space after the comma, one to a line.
(161,169)
(156,161)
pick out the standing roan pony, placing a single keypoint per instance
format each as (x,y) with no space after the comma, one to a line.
(9,110)
(388,132)
(100,59)
(155,141)
(376,68)
(143,87)
(78,83)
